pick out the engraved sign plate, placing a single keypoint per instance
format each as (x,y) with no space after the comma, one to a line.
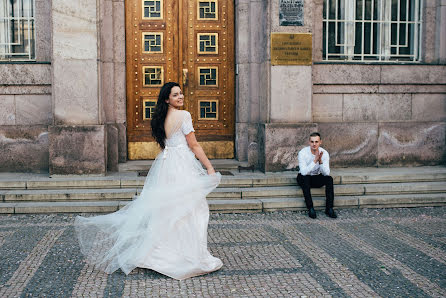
(291,48)
(291,12)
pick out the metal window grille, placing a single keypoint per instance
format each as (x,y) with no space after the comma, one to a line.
(17,31)
(372,30)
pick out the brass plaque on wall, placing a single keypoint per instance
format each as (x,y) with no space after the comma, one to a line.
(291,48)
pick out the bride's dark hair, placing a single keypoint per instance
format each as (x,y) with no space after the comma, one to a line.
(159,116)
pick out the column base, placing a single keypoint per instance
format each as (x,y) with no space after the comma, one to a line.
(77,150)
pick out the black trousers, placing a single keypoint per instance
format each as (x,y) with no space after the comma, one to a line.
(317,181)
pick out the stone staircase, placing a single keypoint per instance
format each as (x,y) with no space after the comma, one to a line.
(239,192)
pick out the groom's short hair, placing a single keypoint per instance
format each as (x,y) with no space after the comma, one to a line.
(315,134)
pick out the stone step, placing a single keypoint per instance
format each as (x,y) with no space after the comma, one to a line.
(237,206)
(53,195)
(237,193)
(144,165)
(244,179)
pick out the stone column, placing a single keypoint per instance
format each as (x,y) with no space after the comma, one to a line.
(252,76)
(289,119)
(77,138)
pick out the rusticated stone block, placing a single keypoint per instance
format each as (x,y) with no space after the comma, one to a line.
(350,144)
(346,74)
(77,150)
(411,143)
(25,74)
(431,107)
(413,74)
(327,107)
(375,107)
(291,94)
(24,149)
(282,143)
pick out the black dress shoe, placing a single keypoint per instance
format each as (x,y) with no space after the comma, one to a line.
(330,213)
(312,213)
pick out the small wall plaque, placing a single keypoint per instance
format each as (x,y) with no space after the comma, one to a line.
(291,48)
(291,12)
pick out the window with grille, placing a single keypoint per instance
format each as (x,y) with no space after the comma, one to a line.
(372,30)
(17,32)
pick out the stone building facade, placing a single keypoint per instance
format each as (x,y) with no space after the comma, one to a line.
(64,110)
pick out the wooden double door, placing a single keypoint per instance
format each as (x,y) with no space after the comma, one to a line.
(190,42)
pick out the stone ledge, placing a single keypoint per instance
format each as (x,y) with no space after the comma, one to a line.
(54,183)
(66,207)
(391,188)
(70,195)
(235,205)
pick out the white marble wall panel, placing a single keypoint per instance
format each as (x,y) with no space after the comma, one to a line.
(74,36)
(33,109)
(7,110)
(291,94)
(75,92)
(75,65)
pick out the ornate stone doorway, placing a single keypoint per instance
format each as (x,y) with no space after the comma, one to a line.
(190,42)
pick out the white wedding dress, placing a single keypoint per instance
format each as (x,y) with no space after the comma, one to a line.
(165,227)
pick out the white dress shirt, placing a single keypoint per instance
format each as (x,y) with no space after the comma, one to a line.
(307,166)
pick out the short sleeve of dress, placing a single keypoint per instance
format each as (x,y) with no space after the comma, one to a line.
(187,126)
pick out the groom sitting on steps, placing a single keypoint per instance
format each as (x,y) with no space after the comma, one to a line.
(314,171)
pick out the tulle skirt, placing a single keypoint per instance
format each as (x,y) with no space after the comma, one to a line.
(163,229)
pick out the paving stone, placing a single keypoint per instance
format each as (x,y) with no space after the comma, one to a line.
(363,253)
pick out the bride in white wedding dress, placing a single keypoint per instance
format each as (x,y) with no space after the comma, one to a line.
(165,227)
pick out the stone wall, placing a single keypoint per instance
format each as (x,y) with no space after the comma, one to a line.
(368,114)
(381,115)
(25,113)
(25,104)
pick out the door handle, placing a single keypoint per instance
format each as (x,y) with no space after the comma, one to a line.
(185,77)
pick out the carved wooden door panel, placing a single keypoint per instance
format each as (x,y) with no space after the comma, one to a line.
(190,42)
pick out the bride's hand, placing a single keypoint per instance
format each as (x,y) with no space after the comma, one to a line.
(211,171)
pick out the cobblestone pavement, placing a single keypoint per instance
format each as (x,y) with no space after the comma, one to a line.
(363,253)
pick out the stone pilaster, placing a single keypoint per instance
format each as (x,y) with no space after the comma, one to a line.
(77,138)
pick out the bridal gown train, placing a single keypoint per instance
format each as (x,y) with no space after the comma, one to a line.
(165,227)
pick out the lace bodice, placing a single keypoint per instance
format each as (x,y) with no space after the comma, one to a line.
(184,127)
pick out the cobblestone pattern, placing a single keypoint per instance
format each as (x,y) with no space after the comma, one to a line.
(4,235)
(389,262)
(363,253)
(30,265)
(90,283)
(433,252)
